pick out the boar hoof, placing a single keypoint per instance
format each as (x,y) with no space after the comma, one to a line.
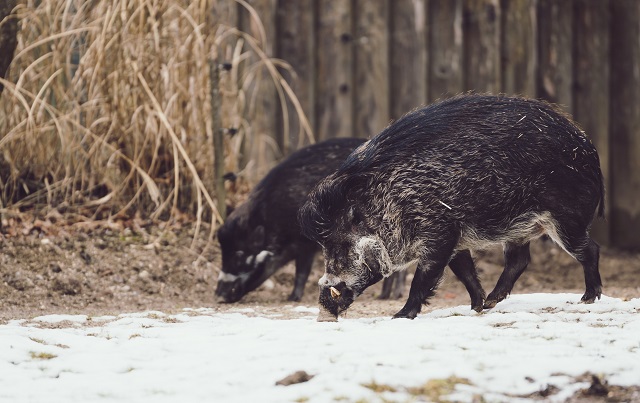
(490,303)
(408,314)
(294,297)
(589,297)
(477,307)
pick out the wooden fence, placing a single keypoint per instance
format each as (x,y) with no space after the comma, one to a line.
(362,63)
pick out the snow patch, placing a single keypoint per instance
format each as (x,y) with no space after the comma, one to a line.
(520,347)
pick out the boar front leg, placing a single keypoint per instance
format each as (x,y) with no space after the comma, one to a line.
(426,280)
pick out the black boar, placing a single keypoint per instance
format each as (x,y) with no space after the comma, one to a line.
(459,174)
(262,234)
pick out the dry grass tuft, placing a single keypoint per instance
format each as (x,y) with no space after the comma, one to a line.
(107,113)
(436,390)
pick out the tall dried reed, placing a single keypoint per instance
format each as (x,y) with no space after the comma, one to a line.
(107,108)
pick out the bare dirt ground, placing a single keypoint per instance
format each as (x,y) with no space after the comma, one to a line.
(129,268)
(105,271)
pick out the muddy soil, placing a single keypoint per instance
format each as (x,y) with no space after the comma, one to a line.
(110,271)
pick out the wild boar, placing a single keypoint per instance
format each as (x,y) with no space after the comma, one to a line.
(460,174)
(262,235)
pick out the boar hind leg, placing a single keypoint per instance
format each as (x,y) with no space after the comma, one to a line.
(304,262)
(398,284)
(516,259)
(387,285)
(393,286)
(587,252)
(465,270)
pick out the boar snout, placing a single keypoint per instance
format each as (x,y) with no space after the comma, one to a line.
(334,299)
(229,291)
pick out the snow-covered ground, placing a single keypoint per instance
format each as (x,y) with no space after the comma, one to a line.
(523,345)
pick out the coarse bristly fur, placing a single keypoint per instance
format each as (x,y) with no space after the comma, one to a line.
(262,234)
(459,174)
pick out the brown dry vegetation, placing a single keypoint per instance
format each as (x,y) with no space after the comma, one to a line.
(112,115)
(107,108)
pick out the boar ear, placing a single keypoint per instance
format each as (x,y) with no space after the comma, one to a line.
(257,237)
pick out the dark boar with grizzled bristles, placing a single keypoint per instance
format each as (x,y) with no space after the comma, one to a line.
(459,174)
(262,234)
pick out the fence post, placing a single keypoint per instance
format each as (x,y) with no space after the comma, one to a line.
(408,53)
(519,47)
(371,102)
(262,96)
(218,138)
(591,89)
(334,80)
(555,49)
(482,45)
(295,40)
(445,46)
(625,123)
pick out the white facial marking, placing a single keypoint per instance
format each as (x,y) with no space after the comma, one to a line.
(230,278)
(249,260)
(375,245)
(262,256)
(227,277)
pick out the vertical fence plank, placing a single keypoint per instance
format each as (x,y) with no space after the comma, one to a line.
(218,139)
(296,45)
(371,46)
(225,13)
(519,47)
(591,89)
(8,36)
(262,94)
(482,45)
(334,85)
(555,50)
(445,47)
(625,123)
(408,54)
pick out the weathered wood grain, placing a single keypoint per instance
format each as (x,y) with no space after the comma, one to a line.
(445,48)
(482,46)
(555,51)
(591,86)
(625,123)
(371,46)
(334,78)
(519,47)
